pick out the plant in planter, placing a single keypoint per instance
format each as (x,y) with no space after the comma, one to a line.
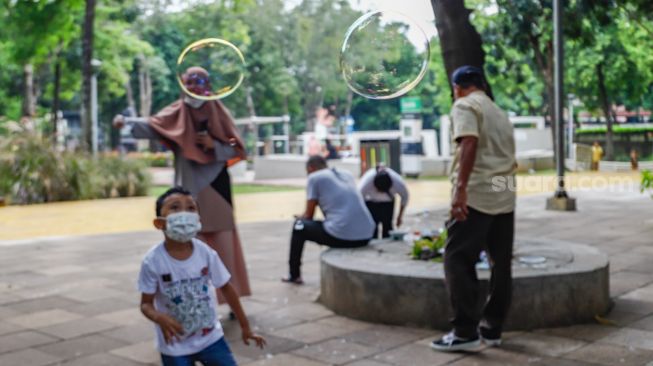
(647,182)
(429,247)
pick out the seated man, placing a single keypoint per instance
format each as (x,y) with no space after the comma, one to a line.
(347,223)
(379,186)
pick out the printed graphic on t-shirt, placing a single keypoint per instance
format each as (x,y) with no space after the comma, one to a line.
(188,301)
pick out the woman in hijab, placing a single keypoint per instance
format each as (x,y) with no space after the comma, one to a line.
(205,142)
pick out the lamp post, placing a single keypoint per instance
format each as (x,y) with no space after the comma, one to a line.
(560,200)
(286,132)
(94,106)
(570,128)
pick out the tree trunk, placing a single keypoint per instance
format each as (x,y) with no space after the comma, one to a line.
(87,74)
(350,97)
(250,102)
(131,104)
(460,42)
(605,104)
(29,102)
(145,86)
(55,98)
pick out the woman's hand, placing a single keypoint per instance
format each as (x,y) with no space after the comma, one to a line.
(249,335)
(119,121)
(204,140)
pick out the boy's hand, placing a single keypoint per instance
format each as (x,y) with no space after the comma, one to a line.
(248,334)
(170,327)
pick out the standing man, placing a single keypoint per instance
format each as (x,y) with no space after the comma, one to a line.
(482,214)
(379,186)
(347,223)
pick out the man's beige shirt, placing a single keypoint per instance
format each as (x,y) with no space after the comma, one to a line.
(491,186)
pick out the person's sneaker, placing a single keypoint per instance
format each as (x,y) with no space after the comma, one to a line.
(489,338)
(294,281)
(451,343)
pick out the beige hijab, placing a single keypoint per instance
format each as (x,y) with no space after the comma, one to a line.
(179,124)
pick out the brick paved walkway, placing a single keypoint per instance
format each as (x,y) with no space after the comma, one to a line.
(72,301)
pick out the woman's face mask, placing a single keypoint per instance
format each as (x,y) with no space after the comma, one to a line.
(192,102)
(182,226)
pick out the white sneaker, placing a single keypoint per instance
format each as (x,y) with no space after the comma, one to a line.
(489,338)
(450,343)
(491,342)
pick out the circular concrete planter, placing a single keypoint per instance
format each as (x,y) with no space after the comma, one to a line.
(554,284)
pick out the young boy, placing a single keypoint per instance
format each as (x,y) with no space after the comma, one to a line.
(178,279)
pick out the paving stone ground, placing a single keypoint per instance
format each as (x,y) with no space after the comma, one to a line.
(72,301)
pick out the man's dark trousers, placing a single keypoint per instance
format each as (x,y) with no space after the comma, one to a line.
(314,231)
(466,239)
(382,213)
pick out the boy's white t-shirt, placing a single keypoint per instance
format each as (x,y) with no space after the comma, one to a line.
(186,291)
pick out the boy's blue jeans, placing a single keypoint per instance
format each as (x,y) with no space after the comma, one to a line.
(217,354)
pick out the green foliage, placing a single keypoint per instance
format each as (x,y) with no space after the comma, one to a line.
(511,61)
(39,27)
(292,54)
(618,129)
(429,247)
(236,189)
(647,182)
(33,171)
(157,160)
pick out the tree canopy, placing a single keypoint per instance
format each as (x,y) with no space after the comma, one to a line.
(292,56)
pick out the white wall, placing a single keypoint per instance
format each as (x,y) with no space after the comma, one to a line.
(526,139)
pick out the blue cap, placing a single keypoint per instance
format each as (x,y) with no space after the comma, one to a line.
(465,73)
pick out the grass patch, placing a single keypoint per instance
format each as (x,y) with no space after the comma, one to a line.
(618,129)
(156,191)
(430,177)
(441,178)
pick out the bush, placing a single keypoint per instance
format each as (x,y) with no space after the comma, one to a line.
(33,171)
(647,182)
(156,160)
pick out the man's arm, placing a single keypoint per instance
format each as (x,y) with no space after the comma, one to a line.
(310,210)
(467,146)
(140,128)
(399,186)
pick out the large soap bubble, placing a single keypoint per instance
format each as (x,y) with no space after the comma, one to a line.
(384,55)
(210,69)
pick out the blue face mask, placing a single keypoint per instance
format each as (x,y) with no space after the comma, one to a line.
(182,226)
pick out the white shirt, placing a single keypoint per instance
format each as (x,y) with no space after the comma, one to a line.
(370,193)
(185,290)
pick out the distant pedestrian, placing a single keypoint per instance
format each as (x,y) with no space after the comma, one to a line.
(597,154)
(331,152)
(634,159)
